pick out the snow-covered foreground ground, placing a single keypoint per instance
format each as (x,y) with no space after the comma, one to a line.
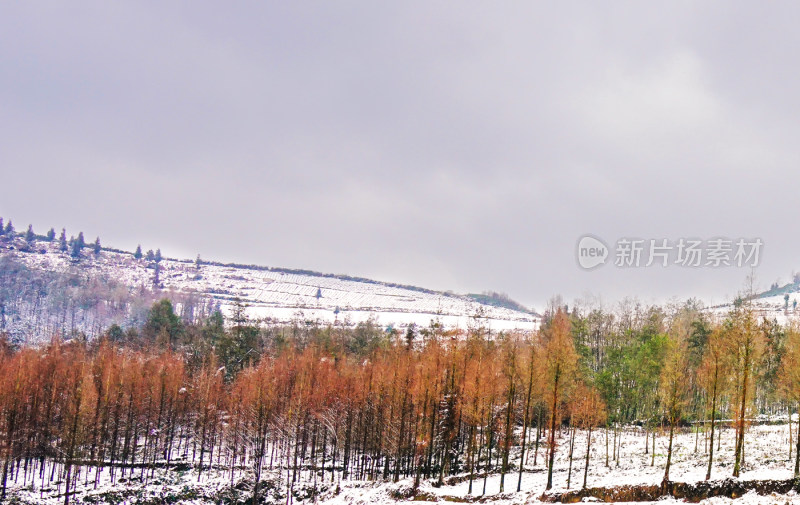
(766,457)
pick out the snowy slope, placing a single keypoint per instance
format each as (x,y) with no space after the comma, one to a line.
(281,295)
(771,307)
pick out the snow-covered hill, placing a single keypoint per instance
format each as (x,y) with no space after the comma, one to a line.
(770,307)
(281,295)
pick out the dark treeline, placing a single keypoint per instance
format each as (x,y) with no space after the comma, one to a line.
(322,404)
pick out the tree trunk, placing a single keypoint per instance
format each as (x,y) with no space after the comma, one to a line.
(489,448)
(790,434)
(653,452)
(740,435)
(538,434)
(571,449)
(669,454)
(525,425)
(588,452)
(553,416)
(507,437)
(713,418)
(797,451)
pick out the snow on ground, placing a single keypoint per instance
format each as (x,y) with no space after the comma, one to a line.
(173,486)
(771,307)
(284,296)
(766,457)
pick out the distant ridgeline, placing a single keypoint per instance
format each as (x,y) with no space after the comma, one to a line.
(27,242)
(499,300)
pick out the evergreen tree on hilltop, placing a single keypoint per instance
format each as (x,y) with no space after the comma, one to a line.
(1,226)
(62,240)
(81,240)
(75,248)
(158,256)
(9,229)
(97,246)
(29,235)
(150,256)
(51,235)
(138,253)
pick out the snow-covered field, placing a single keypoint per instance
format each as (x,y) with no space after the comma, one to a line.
(283,296)
(774,307)
(766,457)
(770,307)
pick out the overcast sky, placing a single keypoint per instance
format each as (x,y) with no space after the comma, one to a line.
(451,145)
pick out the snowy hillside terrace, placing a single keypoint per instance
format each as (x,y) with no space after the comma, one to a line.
(281,295)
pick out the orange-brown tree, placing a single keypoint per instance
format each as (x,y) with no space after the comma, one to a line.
(789,381)
(559,362)
(713,379)
(673,390)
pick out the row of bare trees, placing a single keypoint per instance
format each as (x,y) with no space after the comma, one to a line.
(71,411)
(315,410)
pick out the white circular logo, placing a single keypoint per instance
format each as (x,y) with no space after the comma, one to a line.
(592,252)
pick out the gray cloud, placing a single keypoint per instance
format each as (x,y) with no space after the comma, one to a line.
(454,145)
